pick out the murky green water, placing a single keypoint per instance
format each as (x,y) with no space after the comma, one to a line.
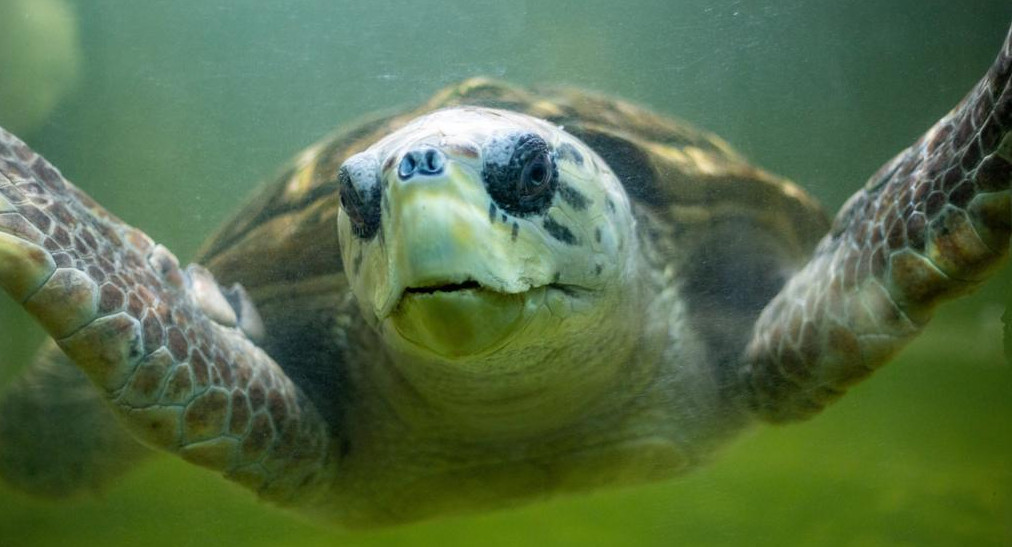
(182,107)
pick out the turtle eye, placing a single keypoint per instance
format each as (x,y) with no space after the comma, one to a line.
(520,173)
(360,190)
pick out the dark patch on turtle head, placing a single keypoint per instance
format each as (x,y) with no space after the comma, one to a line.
(558,231)
(568,152)
(573,197)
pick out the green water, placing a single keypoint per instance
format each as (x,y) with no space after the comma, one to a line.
(182,107)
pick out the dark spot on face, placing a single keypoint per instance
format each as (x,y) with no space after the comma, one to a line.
(568,152)
(573,197)
(610,204)
(516,230)
(556,277)
(597,269)
(597,235)
(492,211)
(504,218)
(558,231)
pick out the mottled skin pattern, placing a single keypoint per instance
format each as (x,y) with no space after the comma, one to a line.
(119,306)
(720,238)
(932,224)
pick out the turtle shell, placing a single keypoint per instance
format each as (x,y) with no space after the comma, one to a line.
(727,232)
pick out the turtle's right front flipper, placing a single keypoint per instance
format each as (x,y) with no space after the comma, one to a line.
(159,342)
(931,225)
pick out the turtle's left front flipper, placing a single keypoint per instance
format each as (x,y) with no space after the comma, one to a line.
(163,344)
(932,224)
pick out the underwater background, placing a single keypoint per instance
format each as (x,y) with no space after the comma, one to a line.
(169,113)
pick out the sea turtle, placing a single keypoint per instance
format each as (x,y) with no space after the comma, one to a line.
(498,296)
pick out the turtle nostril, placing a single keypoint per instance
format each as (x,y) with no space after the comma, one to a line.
(426,161)
(408,166)
(433,162)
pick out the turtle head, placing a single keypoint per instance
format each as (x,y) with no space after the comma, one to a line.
(492,252)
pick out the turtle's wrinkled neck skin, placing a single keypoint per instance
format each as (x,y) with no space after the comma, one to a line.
(492,307)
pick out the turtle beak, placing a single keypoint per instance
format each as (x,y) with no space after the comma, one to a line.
(438,235)
(446,262)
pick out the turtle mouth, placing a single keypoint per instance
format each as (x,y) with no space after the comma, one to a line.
(467,318)
(469,285)
(472,285)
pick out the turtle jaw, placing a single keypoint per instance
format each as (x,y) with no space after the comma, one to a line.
(467,319)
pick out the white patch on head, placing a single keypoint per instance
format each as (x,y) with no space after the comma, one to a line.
(362,166)
(498,149)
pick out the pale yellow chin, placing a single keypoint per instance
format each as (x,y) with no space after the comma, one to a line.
(463,323)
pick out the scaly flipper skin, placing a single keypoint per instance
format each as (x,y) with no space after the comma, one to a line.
(182,379)
(932,224)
